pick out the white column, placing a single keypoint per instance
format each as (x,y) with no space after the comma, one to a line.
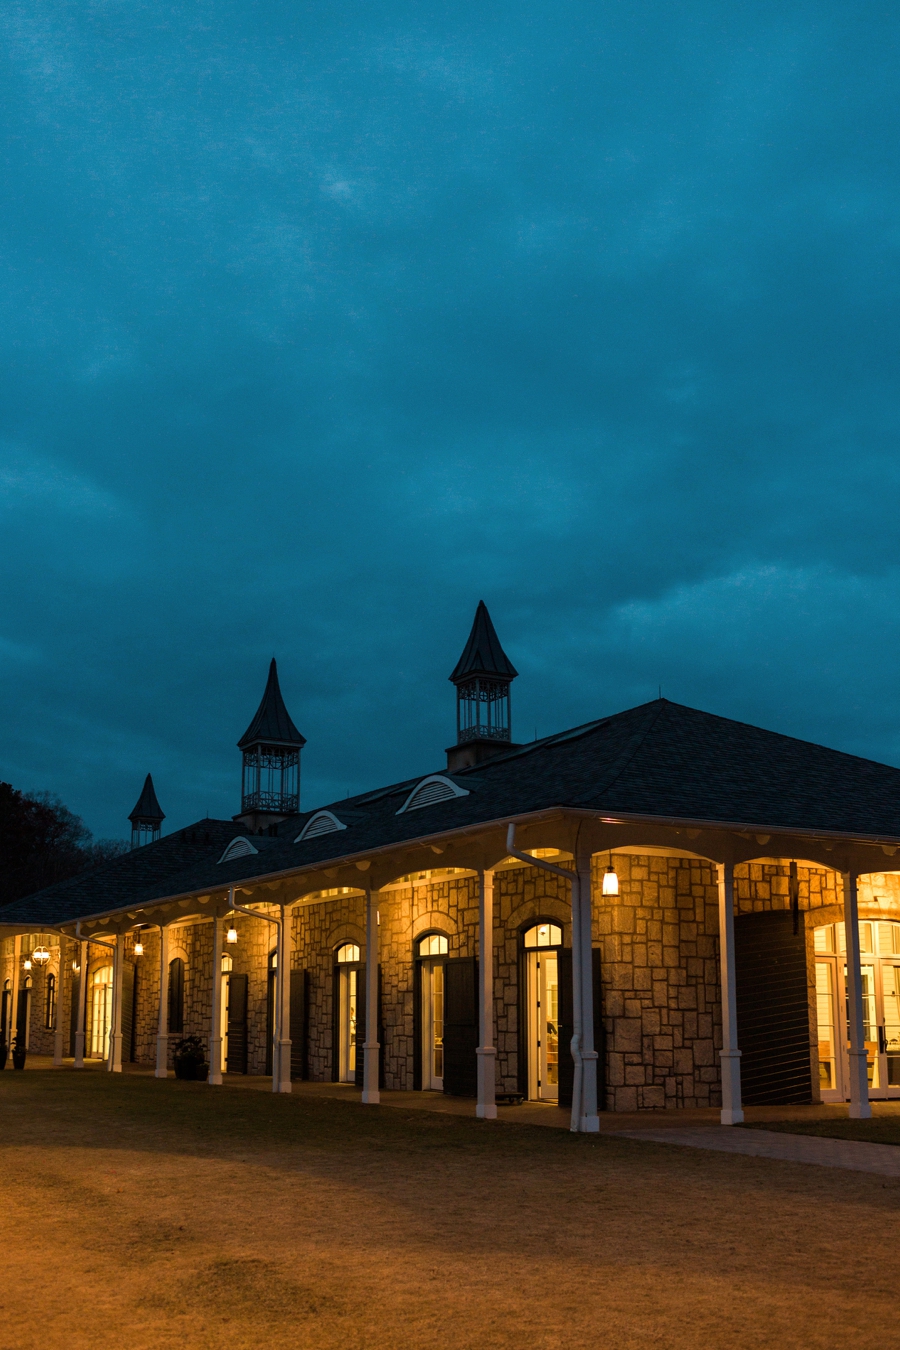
(281,1058)
(370,1093)
(860,1108)
(215,1030)
(82,1004)
(486,1108)
(577,1075)
(114,1056)
(14,994)
(729,1056)
(162,1035)
(57,1012)
(590,1121)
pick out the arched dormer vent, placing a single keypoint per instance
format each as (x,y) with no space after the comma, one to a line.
(238,848)
(435,788)
(323,822)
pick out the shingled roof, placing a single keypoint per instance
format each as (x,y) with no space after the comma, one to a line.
(657,761)
(482,654)
(272,723)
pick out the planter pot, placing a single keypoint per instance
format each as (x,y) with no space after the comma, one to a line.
(19,1058)
(189,1069)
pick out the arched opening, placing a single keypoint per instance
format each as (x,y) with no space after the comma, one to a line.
(431,951)
(349,988)
(544,963)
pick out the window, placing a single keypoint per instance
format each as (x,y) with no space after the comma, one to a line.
(435,788)
(101,1008)
(433,944)
(544,935)
(176,994)
(349,952)
(227,964)
(50,1003)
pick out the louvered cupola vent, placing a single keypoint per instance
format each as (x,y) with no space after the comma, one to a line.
(437,788)
(323,822)
(238,848)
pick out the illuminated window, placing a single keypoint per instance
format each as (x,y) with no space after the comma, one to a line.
(349,952)
(101,1009)
(227,963)
(823,938)
(544,935)
(433,944)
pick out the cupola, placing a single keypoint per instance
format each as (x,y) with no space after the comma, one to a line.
(147,816)
(271,745)
(483,675)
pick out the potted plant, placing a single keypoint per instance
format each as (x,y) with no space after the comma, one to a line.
(189,1058)
(19,1053)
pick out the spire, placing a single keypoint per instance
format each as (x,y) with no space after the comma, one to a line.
(272,723)
(147,816)
(483,654)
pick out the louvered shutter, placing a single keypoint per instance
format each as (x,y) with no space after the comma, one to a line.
(773,1018)
(129,986)
(299,1016)
(461,1026)
(237,1024)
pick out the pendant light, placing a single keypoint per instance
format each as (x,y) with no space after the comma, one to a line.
(610,879)
(41,955)
(231,935)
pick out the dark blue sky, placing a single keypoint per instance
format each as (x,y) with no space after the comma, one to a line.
(321,321)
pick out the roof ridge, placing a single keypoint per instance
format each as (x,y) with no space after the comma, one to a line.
(636,740)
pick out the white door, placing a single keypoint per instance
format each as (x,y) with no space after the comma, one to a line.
(543,1026)
(101,1010)
(348,995)
(432,976)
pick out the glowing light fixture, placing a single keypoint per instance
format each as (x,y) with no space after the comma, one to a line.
(41,955)
(610,880)
(26,964)
(231,935)
(76,967)
(139,948)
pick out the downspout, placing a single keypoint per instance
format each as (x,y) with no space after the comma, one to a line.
(280,975)
(572,878)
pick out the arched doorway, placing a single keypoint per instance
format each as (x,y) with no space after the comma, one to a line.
(100,1006)
(542,944)
(348,989)
(431,956)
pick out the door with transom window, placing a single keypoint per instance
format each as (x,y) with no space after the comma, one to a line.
(349,989)
(880,970)
(431,957)
(543,943)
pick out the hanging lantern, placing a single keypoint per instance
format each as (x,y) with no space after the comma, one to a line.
(231,935)
(138,947)
(41,955)
(610,880)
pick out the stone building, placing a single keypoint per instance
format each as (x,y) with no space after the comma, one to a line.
(658,909)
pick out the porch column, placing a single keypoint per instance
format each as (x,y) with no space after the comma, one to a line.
(370,1095)
(729,1056)
(162,1035)
(82,1004)
(114,1058)
(14,1008)
(584,956)
(215,1029)
(57,1012)
(486,1108)
(859,1078)
(281,1059)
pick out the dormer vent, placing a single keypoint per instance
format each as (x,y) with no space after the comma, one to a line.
(323,822)
(435,788)
(238,848)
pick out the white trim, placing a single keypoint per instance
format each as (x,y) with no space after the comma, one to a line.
(451,790)
(240,847)
(309,832)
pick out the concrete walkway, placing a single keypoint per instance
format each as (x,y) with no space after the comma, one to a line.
(803,1148)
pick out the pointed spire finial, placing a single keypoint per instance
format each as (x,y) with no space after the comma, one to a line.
(483,654)
(147,816)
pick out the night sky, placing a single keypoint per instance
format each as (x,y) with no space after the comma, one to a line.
(322,321)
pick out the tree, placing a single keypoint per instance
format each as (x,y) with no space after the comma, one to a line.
(42,841)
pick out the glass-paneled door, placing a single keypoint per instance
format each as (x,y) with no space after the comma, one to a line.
(880,970)
(543,1011)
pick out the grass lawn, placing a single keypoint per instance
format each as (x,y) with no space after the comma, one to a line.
(138,1213)
(879,1130)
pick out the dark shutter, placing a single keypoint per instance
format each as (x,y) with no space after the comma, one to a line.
(74,995)
(772,1009)
(176,995)
(299,1018)
(22,1017)
(237,1024)
(270,1017)
(417,1025)
(336,1024)
(461,1026)
(567,1028)
(129,985)
(5,996)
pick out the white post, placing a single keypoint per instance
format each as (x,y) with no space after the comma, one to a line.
(729,1056)
(114,1057)
(57,1011)
(215,1031)
(162,1035)
(281,1059)
(82,1004)
(14,1010)
(578,1073)
(590,1121)
(370,1095)
(860,1109)
(486,1109)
